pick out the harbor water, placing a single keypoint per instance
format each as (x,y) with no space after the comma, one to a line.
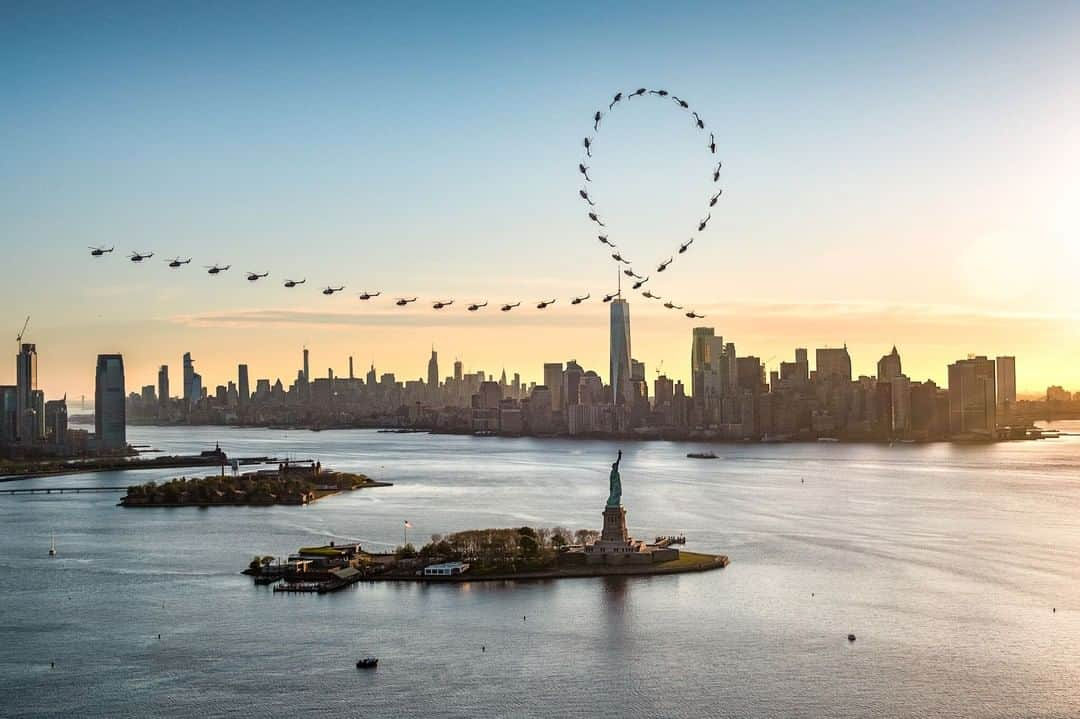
(947,562)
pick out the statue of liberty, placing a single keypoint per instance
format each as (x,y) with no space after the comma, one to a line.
(615,484)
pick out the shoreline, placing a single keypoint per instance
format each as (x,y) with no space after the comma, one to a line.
(207,505)
(688,562)
(658,436)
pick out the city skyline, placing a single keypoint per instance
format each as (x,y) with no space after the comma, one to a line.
(933,187)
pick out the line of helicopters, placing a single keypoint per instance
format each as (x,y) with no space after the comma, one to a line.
(542,304)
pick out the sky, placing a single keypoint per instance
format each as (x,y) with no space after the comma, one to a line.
(893,174)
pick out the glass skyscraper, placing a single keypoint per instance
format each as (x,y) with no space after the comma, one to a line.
(110,419)
(621,387)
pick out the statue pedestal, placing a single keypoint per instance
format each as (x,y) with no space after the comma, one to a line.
(615,526)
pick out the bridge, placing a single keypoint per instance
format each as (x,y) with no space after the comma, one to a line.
(61,490)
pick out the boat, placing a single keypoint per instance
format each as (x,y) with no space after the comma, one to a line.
(851,637)
(52,546)
(702,455)
(367,663)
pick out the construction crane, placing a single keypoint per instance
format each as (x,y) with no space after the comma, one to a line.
(660,368)
(18,339)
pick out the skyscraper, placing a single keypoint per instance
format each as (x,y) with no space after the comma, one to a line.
(9,414)
(26,383)
(553,380)
(307,372)
(243,390)
(433,370)
(833,363)
(163,384)
(191,393)
(619,351)
(888,367)
(110,420)
(972,397)
(458,370)
(1006,381)
(710,371)
(571,392)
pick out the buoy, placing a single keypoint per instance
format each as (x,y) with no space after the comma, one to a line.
(851,637)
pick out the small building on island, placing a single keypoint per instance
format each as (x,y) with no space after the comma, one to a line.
(446,569)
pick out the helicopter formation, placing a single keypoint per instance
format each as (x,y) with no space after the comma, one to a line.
(593,211)
(639,280)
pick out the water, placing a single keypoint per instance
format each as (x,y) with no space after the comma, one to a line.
(946,562)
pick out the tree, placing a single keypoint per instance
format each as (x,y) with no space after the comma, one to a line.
(529,546)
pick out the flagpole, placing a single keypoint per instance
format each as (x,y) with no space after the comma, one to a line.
(406,531)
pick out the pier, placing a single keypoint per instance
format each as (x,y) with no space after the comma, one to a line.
(61,490)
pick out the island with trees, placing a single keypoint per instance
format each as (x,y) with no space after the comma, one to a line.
(520,553)
(292,483)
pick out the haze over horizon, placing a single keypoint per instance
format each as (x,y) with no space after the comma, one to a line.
(891,176)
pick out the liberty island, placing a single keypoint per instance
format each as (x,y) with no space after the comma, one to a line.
(490,554)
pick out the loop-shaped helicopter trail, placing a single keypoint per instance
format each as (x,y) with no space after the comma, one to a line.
(593,213)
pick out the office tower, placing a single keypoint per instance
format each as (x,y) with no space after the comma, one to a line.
(972,396)
(9,414)
(351,375)
(307,373)
(459,370)
(619,352)
(750,374)
(571,384)
(833,364)
(110,420)
(37,405)
(163,384)
(900,401)
(370,379)
(56,420)
(711,372)
(553,380)
(1006,381)
(433,369)
(148,396)
(26,382)
(489,395)
(663,391)
(243,389)
(191,393)
(888,367)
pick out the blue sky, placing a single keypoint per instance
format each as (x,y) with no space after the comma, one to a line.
(899,172)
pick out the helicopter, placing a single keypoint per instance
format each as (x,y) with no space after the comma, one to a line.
(99,251)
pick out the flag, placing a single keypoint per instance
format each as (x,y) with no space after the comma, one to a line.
(408,524)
